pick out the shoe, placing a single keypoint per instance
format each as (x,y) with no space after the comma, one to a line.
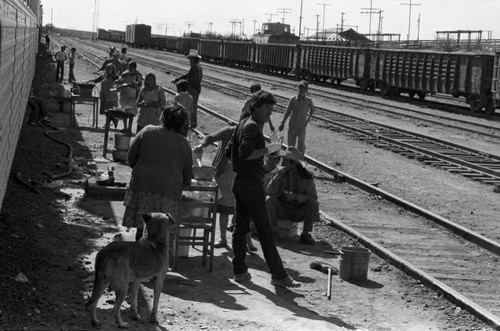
(306,239)
(285,282)
(220,244)
(239,278)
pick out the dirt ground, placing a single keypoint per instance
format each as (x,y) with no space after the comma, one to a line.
(50,232)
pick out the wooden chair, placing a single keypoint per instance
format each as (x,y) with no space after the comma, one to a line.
(198,211)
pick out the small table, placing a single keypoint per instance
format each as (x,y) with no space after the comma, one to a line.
(119,114)
(88,100)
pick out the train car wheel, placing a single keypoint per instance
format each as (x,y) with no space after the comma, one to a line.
(421,95)
(475,104)
(411,94)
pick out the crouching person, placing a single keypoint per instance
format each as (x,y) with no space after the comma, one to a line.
(291,194)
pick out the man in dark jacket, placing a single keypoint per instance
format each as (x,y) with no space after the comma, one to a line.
(248,148)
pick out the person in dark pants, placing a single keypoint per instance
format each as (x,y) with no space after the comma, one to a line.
(72,57)
(193,77)
(38,111)
(61,57)
(248,148)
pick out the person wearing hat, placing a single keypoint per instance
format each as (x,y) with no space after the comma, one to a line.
(114,58)
(291,194)
(301,108)
(193,77)
(247,149)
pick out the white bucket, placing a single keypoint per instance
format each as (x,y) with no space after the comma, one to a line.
(183,250)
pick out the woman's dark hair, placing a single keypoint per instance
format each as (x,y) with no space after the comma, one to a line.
(182,85)
(261,98)
(132,64)
(175,117)
(150,75)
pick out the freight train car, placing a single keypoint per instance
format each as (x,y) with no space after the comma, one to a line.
(276,58)
(428,72)
(20,29)
(211,50)
(322,63)
(184,44)
(138,35)
(238,53)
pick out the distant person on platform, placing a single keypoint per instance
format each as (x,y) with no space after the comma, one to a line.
(60,57)
(47,42)
(291,194)
(72,57)
(245,112)
(247,150)
(115,59)
(184,98)
(193,77)
(301,108)
(151,100)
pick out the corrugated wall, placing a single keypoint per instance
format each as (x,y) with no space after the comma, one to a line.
(18,48)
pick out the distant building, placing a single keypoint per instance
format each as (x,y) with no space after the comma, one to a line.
(275,33)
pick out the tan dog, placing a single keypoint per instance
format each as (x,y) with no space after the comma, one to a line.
(121,262)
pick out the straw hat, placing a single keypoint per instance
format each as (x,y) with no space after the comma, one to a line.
(293,154)
(193,53)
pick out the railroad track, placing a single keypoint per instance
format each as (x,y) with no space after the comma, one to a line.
(473,164)
(420,242)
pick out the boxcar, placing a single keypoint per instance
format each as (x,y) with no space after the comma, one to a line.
(158,42)
(211,50)
(138,35)
(429,72)
(184,44)
(171,44)
(239,53)
(276,58)
(332,63)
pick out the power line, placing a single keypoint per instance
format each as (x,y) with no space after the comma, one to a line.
(409,15)
(324,5)
(283,11)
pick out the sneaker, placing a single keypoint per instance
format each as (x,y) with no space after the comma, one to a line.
(285,282)
(239,278)
(306,239)
(220,244)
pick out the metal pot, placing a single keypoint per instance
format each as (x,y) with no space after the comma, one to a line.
(122,142)
(203,173)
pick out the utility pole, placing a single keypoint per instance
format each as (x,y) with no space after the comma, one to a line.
(166,29)
(95,18)
(209,27)
(418,31)
(317,26)
(409,16)
(342,22)
(254,22)
(233,26)
(283,11)
(189,25)
(159,27)
(300,17)
(270,17)
(324,5)
(371,11)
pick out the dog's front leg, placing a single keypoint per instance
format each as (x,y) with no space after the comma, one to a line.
(158,288)
(134,289)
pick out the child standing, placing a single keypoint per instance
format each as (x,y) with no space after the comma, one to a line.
(183,97)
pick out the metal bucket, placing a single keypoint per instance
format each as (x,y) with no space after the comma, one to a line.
(122,142)
(354,263)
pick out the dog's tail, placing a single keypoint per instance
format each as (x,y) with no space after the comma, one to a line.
(100,282)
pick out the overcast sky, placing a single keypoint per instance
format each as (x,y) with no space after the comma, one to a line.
(181,16)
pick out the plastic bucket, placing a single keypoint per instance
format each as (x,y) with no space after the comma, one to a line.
(183,250)
(122,142)
(354,263)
